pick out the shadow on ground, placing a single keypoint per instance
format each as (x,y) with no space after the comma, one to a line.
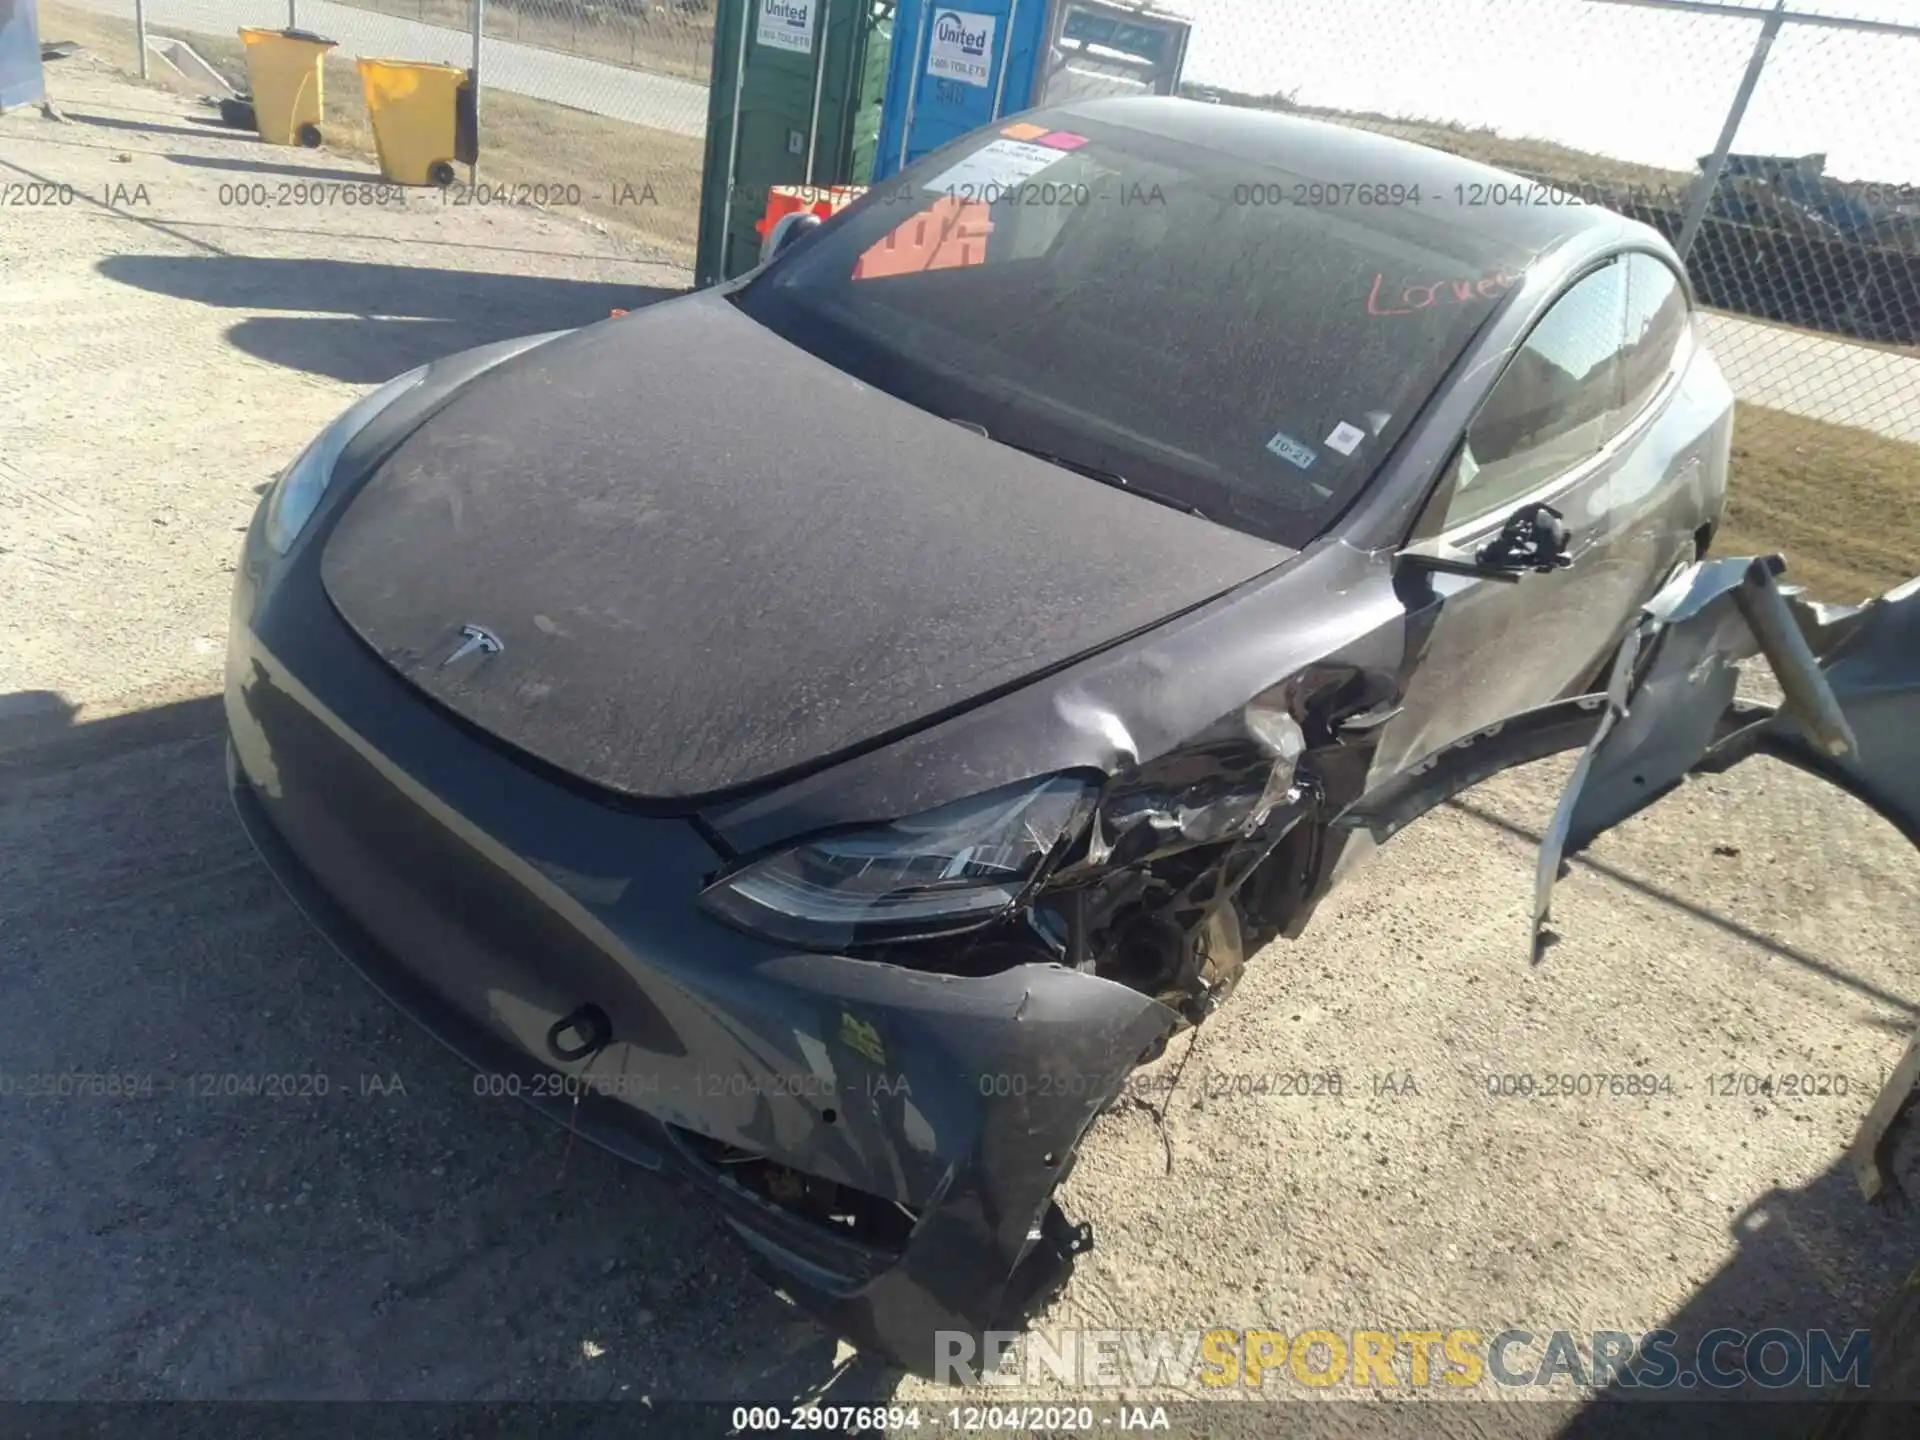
(306,173)
(1811,1259)
(147,127)
(1812,964)
(373,320)
(271,1185)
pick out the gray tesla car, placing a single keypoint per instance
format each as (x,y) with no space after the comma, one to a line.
(819,734)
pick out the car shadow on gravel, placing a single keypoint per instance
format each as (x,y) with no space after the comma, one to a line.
(234,1172)
(365,321)
(1826,970)
(1809,1259)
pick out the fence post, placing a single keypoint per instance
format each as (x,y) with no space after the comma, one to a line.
(293,14)
(819,88)
(479,24)
(733,144)
(1710,176)
(1006,62)
(913,83)
(140,33)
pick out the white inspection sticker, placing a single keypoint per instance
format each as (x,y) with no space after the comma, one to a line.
(995,166)
(1345,438)
(1290,449)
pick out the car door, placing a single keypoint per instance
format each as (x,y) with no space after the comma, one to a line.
(1486,649)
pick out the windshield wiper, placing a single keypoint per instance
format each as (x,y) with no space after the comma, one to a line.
(1092,472)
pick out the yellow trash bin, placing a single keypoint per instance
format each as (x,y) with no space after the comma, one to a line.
(423,119)
(284,69)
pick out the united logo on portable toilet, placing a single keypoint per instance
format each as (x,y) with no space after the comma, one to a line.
(961,47)
(786,25)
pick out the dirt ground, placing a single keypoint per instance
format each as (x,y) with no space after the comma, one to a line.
(637,184)
(402,1237)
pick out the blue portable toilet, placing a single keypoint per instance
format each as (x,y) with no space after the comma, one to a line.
(22,78)
(958,67)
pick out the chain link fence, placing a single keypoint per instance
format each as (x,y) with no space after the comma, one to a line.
(1810,125)
(665,37)
(1777,144)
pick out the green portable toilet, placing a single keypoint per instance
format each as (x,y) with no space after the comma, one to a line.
(797,88)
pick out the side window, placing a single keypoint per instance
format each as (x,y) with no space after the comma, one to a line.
(1658,324)
(1555,405)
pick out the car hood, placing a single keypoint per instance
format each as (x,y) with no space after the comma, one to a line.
(711,559)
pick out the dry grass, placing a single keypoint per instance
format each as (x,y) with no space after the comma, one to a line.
(653,37)
(1532,157)
(1843,505)
(638,183)
(106,38)
(635,181)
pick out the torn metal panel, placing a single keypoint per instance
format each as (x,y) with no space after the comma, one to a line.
(1223,786)
(1389,808)
(1872,1147)
(1674,677)
(1870,658)
(1851,712)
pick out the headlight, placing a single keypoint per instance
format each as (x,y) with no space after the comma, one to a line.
(946,870)
(305,481)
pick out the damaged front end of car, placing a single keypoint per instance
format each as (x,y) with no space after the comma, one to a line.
(1137,892)
(1004,963)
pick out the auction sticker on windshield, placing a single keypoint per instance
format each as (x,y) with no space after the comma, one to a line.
(1290,449)
(995,166)
(1345,437)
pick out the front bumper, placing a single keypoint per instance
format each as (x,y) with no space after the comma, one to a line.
(490,901)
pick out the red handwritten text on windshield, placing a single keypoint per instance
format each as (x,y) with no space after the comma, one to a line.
(1427,295)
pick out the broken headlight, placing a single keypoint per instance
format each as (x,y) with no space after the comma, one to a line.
(936,873)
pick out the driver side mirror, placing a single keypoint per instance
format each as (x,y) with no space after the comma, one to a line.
(786,230)
(1534,538)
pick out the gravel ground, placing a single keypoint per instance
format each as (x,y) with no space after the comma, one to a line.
(401,1237)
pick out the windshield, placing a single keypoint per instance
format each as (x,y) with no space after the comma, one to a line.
(1232,337)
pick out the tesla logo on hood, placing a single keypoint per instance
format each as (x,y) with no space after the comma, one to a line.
(474,639)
